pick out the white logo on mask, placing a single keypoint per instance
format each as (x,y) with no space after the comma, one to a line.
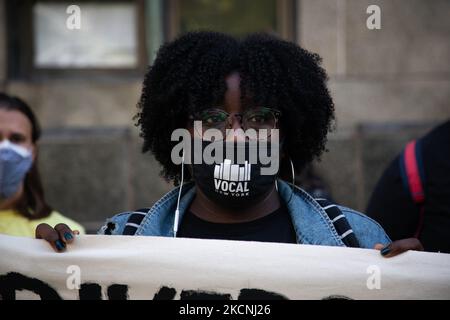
(231,179)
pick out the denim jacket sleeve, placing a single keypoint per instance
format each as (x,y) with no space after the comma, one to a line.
(367,231)
(115,225)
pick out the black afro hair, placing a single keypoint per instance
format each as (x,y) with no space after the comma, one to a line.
(188,75)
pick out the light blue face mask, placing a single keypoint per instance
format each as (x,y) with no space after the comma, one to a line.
(15,161)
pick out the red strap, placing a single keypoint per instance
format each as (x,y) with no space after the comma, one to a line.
(412,173)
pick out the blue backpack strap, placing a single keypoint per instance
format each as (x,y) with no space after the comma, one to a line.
(340,223)
(134,221)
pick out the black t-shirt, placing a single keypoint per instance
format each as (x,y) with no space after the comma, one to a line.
(274,227)
(393,207)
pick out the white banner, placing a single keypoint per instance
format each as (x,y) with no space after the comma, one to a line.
(121,267)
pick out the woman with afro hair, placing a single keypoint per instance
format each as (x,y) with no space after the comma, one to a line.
(223,83)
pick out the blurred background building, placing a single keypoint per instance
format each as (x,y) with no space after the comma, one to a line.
(389,85)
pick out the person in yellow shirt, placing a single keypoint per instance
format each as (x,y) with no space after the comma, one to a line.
(22,202)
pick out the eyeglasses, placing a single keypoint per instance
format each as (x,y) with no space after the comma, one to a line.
(255,118)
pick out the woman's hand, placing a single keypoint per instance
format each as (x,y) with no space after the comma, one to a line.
(58,237)
(398,247)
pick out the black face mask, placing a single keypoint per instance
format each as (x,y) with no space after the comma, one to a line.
(234,182)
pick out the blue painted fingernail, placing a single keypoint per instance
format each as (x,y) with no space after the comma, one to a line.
(68,236)
(60,245)
(385,251)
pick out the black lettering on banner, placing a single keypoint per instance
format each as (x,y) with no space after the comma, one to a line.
(165,293)
(118,292)
(203,295)
(93,291)
(258,294)
(90,291)
(13,281)
(336,297)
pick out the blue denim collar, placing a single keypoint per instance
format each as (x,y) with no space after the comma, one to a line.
(311,223)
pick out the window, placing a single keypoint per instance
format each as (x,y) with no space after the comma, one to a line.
(237,17)
(110,38)
(106,38)
(123,36)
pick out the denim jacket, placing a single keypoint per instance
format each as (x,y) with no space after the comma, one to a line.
(311,223)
